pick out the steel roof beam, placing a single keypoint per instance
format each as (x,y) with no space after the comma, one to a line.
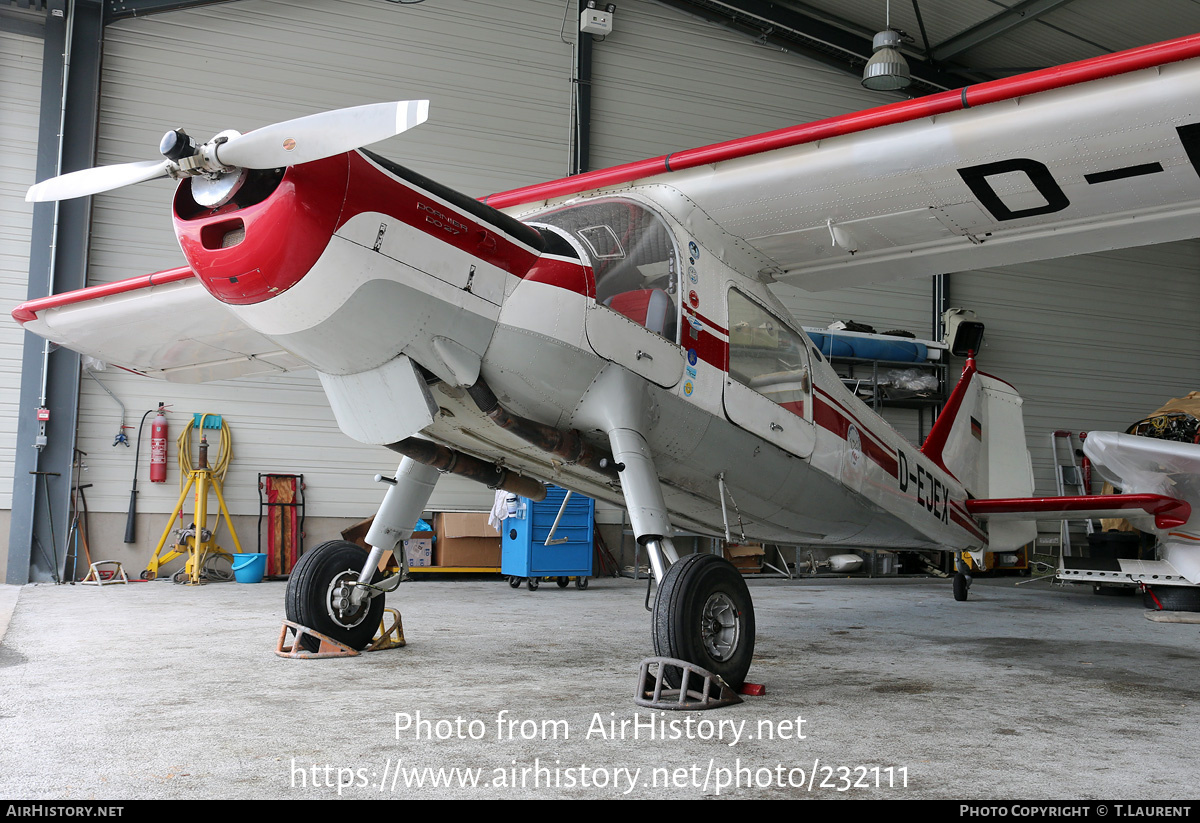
(998,24)
(814,37)
(120,9)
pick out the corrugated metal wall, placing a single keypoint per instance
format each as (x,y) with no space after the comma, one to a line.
(20,89)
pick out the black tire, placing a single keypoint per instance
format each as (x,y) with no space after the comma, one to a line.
(515,582)
(533,583)
(563,582)
(581,582)
(1173,598)
(703,614)
(307,600)
(961,586)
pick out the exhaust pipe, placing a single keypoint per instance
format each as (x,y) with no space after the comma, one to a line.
(456,462)
(568,445)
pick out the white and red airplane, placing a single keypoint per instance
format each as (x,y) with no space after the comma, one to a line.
(614,333)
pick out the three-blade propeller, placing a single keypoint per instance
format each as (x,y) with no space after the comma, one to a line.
(289,143)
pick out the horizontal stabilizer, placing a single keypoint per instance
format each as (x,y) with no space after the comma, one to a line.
(1168,512)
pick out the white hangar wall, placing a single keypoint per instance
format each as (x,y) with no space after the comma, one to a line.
(497,72)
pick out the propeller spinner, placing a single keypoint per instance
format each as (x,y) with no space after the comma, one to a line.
(289,143)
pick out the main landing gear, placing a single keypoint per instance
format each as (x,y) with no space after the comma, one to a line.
(702,612)
(962,579)
(337,588)
(319,595)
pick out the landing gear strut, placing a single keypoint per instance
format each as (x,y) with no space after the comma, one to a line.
(702,613)
(336,588)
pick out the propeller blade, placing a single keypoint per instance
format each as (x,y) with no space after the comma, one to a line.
(93,181)
(321,135)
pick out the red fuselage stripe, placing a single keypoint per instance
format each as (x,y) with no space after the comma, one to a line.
(832,417)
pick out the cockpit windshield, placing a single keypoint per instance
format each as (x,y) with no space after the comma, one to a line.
(633,258)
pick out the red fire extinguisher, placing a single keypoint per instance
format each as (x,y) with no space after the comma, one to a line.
(158,447)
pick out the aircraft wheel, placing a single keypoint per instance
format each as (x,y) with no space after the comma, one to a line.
(515,582)
(1173,598)
(703,614)
(581,582)
(315,587)
(533,583)
(960,586)
(563,582)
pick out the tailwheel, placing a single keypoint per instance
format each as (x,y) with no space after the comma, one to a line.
(962,584)
(703,614)
(318,595)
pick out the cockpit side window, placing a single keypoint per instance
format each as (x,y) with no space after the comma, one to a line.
(633,259)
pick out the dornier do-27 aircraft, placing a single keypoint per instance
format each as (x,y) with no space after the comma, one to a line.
(614,332)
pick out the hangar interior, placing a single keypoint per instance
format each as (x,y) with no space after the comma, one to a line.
(515,100)
(517,96)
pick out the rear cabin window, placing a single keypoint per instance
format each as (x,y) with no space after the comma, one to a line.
(766,355)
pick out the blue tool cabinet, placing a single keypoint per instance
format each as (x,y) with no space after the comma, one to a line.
(525,557)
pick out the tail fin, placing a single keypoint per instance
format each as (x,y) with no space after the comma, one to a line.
(979,438)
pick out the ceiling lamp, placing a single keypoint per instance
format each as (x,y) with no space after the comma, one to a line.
(887,69)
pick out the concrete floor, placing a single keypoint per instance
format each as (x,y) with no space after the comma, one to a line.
(159,691)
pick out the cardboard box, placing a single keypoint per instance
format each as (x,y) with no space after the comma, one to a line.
(465,539)
(746,557)
(419,550)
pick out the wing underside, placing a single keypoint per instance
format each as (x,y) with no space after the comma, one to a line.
(1087,168)
(168,327)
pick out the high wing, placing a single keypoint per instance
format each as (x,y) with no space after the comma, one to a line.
(164,325)
(1085,157)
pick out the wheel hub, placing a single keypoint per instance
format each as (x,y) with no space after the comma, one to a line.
(720,626)
(338,602)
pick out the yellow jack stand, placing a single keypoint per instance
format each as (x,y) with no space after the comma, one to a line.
(390,637)
(197,542)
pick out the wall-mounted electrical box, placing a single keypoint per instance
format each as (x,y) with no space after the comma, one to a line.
(595,20)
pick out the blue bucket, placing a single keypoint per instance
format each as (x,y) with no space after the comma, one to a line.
(249,568)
